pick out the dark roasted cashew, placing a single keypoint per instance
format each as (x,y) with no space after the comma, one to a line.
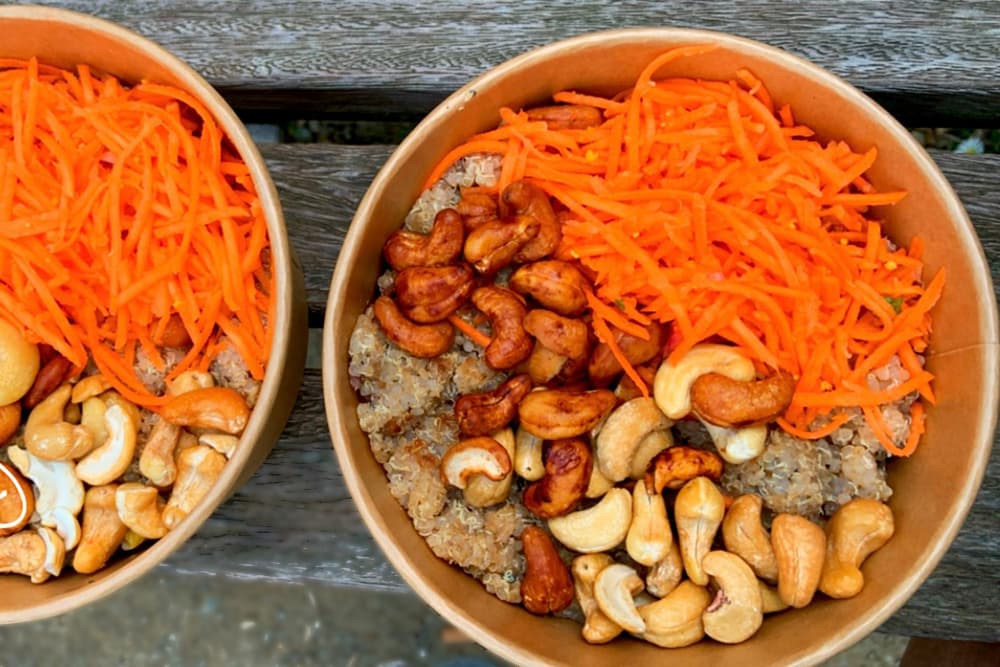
(730,403)
(567,116)
(552,414)
(567,337)
(428,294)
(527,199)
(674,467)
(547,586)
(442,246)
(604,367)
(420,340)
(511,344)
(490,411)
(556,285)
(567,473)
(476,208)
(493,244)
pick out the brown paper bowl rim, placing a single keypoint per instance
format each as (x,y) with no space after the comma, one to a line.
(284,366)
(335,351)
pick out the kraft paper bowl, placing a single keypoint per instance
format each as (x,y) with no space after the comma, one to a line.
(66,39)
(947,468)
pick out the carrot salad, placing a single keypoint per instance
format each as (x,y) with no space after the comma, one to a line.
(703,204)
(125,218)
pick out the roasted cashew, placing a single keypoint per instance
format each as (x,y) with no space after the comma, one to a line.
(649,448)
(623,433)
(771,601)
(567,472)
(799,549)
(528,461)
(597,627)
(60,492)
(189,381)
(481,455)
(567,116)
(672,385)
(604,367)
(675,467)
(480,490)
(664,576)
(17,501)
(492,245)
(109,461)
(626,389)
(19,364)
(524,198)
(37,554)
(92,412)
(698,511)
(547,586)
(489,411)
(476,208)
(10,422)
(217,408)
(649,537)
(50,377)
(566,337)
(855,531)
(223,443)
(140,508)
(744,535)
(442,246)
(738,445)
(428,294)
(675,620)
(103,531)
(553,414)
(48,436)
(420,340)
(511,344)
(197,469)
(614,589)
(157,462)
(89,387)
(556,285)
(736,612)
(734,404)
(546,366)
(598,528)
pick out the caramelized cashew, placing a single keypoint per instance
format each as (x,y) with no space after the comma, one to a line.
(735,404)
(527,199)
(547,586)
(486,412)
(604,367)
(511,344)
(567,337)
(552,414)
(420,340)
(442,246)
(567,473)
(493,244)
(476,208)
(674,467)
(556,285)
(428,294)
(567,116)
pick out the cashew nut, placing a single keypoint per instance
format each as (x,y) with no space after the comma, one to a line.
(511,344)
(157,462)
(103,530)
(547,586)
(745,536)
(855,531)
(428,294)
(132,540)
(442,246)
(19,363)
(723,401)
(598,485)
(109,461)
(698,511)
(598,528)
(89,387)
(140,509)
(223,443)
(569,338)
(664,576)
(604,366)
(476,456)
(672,385)
(799,549)
(556,285)
(486,412)
(528,462)
(480,490)
(492,245)
(554,414)
(649,447)
(736,612)
(36,554)
(420,340)
(614,589)
(622,434)
(92,412)
(60,492)
(197,469)
(524,198)
(738,445)
(771,601)
(48,436)
(675,467)
(567,472)
(17,501)
(217,408)
(597,627)
(675,620)
(476,208)
(649,537)
(10,422)
(189,381)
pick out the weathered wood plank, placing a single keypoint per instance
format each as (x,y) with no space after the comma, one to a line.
(928,62)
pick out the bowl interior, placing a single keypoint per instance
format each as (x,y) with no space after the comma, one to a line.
(948,466)
(67,39)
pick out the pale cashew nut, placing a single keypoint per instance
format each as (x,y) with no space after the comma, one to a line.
(92,412)
(60,492)
(771,601)
(672,384)
(649,447)
(554,414)
(528,462)
(36,554)
(223,443)
(664,576)
(197,469)
(140,509)
(476,456)
(110,461)
(48,436)
(623,432)
(189,381)
(89,387)
(744,535)
(738,445)
(675,620)
(547,586)
(799,549)
(598,528)
(614,589)
(132,540)
(217,408)
(597,627)
(103,531)
(157,461)
(855,531)
(19,363)
(698,511)
(649,537)
(598,485)
(480,490)
(736,612)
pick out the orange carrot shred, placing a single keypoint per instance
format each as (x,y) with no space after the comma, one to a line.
(474,334)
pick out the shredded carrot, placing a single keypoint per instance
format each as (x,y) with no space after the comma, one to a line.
(702,204)
(121,208)
(474,334)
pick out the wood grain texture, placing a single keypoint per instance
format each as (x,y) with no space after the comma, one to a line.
(924,60)
(295,521)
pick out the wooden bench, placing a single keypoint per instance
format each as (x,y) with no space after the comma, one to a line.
(931,64)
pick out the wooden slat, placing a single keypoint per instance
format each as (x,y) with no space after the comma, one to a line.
(929,62)
(295,522)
